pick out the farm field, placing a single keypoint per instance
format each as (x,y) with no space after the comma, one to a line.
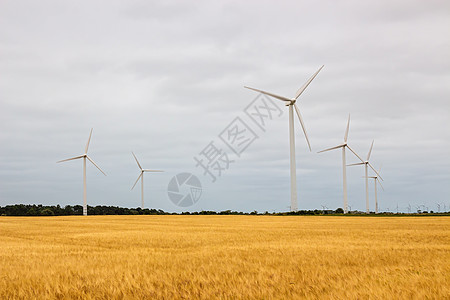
(224,257)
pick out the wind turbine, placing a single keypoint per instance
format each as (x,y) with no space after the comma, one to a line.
(375,180)
(141,176)
(290,102)
(366,163)
(84,157)
(344,168)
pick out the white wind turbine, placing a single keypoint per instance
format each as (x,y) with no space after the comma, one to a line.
(375,180)
(84,157)
(367,164)
(344,167)
(141,176)
(291,103)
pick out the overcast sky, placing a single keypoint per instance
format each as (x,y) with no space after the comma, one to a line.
(164,79)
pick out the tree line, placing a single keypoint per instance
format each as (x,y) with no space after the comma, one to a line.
(71,210)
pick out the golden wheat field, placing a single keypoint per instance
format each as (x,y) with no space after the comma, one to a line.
(224,257)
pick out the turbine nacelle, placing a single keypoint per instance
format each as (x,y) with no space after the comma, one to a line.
(291,102)
(85,155)
(142,170)
(366,162)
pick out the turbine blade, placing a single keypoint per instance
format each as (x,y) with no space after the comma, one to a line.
(370,151)
(137,180)
(76,157)
(349,148)
(375,171)
(379,182)
(303,125)
(270,94)
(332,148)
(300,91)
(147,170)
(137,161)
(346,131)
(95,164)
(89,140)
(355,164)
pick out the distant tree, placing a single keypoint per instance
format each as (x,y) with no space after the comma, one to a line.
(77,210)
(339,211)
(47,212)
(32,211)
(68,210)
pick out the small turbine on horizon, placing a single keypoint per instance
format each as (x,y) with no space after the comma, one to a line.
(366,163)
(84,157)
(290,102)
(141,176)
(344,167)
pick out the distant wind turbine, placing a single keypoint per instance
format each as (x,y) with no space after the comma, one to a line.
(344,167)
(366,163)
(84,157)
(375,180)
(141,176)
(291,103)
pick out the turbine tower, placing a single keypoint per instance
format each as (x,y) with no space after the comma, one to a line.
(344,167)
(141,176)
(375,180)
(367,164)
(290,102)
(84,157)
